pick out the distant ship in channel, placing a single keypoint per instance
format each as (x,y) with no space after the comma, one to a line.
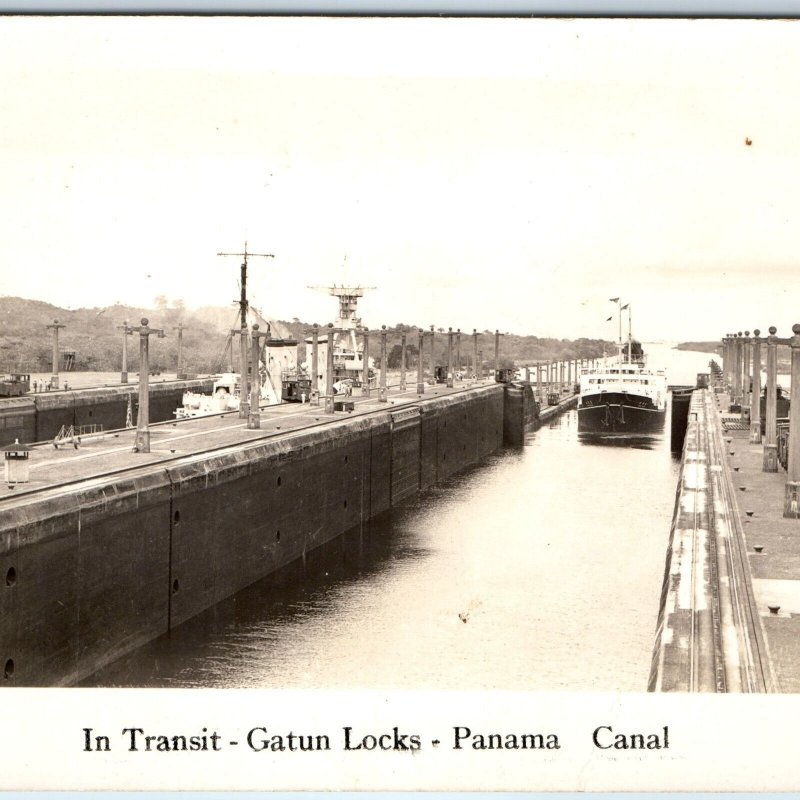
(624,396)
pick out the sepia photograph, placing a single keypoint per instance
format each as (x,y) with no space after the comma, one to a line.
(399,355)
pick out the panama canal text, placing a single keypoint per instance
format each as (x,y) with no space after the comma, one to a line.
(262,739)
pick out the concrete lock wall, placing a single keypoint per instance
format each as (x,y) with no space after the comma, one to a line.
(39,417)
(88,575)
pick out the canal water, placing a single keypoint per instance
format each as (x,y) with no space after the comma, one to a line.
(539,569)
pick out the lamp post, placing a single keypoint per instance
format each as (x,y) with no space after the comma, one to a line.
(475,336)
(497,336)
(458,351)
(55,327)
(433,357)
(746,373)
(126,332)
(142,441)
(365,355)
(791,504)
(449,358)
(329,372)
(382,393)
(181,375)
(770,427)
(315,364)
(420,363)
(755,396)
(254,417)
(402,361)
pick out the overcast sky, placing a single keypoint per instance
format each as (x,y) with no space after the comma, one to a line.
(479,173)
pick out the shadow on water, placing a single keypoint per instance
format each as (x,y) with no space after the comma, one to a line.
(304,588)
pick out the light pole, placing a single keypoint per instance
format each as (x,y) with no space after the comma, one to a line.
(449,358)
(365,356)
(55,328)
(142,442)
(770,463)
(755,397)
(315,364)
(126,332)
(475,336)
(497,336)
(791,505)
(420,364)
(382,393)
(402,361)
(181,375)
(433,355)
(254,417)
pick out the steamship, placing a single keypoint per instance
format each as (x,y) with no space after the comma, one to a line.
(623,397)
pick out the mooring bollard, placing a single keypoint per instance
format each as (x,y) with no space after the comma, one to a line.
(755,396)
(771,422)
(791,505)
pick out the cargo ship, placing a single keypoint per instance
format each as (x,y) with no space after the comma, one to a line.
(624,396)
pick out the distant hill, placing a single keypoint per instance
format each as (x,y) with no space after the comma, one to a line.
(703,347)
(94,336)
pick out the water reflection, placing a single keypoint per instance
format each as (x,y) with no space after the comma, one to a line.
(539,569)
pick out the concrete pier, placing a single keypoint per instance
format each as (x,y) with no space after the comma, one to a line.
(730,560)
(105,549)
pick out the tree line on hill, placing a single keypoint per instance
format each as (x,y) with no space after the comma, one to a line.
(94,335)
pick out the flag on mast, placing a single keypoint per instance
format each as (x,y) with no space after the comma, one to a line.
(625,306)
(614,299)
(609,319)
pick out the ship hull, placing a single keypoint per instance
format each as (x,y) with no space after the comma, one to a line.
(619,413)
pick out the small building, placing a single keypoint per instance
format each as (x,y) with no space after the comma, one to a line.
(17,462)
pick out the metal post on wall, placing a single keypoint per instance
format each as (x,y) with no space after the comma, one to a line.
(458,351)
(433,355)
(126,332)
(365,356)
(737,378)
(449,358)
(384,364)
(142,441)
(254,418)
(791,503)
(180,375)
(746,374)
(770,427)
(315,364)
(755,396)
(420,364)
(475,335)
(402,362)
(329,371)
(55,327)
